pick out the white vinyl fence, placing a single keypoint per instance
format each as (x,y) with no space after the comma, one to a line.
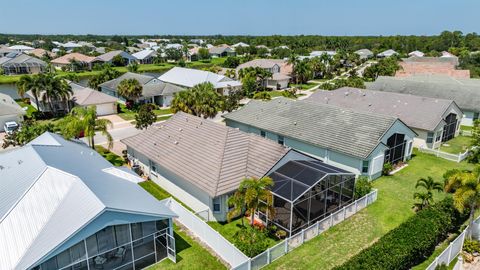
(314,230)
(452,251)
(226,250)
(445,155)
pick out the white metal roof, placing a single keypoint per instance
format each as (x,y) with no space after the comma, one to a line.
(190,77)
(51,188)
(144,54)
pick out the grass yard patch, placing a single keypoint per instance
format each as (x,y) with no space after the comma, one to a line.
(456,145)
(113,158)
(394,205)
(30,109)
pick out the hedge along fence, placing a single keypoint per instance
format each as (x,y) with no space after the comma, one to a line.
(412,242)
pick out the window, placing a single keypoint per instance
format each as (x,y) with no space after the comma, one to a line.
(216,205)
(262,133)
(365,164)
(281,140)
(153,168)
(430,137)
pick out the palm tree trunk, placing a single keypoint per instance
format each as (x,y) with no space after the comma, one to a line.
(36,101)
(252,216)
(472,216)
(93,141)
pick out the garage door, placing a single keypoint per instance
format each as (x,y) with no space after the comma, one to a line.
(106,109)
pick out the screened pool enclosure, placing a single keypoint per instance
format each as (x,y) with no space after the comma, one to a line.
(306,191)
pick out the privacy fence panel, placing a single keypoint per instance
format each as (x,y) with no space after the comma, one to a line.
(226,250)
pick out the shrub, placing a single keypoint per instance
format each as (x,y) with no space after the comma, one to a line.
(387,168)
(363,186)
(411,242)
(251,241)
(471,246)
(441,267)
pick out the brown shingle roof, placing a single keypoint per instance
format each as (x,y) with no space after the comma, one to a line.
(211,156)
(77,56)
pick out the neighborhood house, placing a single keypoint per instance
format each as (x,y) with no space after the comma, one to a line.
(65,207)
(434,120)
(359,142)
(9,111)
(280,70)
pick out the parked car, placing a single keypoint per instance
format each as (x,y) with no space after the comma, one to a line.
(10,127)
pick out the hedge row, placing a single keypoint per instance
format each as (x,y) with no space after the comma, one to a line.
(412,242)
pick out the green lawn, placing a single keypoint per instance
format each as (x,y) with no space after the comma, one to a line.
(30,108)
(113,158)
(190,255)
(128,115)
(394,206)
(304,86)
(228,230)
(456,145)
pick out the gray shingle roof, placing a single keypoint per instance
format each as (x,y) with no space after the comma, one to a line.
(330,127)
(263,63)
(86,96)
(211,156)
(160,88)
(465,92)
(110,55)
(415,111)
(141,78)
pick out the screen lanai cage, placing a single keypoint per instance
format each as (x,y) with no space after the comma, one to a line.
(306,191)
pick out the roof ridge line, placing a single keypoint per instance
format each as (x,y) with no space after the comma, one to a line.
(222,160)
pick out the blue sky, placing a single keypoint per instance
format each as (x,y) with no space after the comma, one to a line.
(245,17)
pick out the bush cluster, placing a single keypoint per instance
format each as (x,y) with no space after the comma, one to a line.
(363,186)
(251,241)
(412,242)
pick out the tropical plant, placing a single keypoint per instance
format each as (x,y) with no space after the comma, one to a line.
(119,61)
(55,90)
(203,54)
(30,83)
(202,100)
(252,195)
(133,67)
(130,89)
(231,62)
(145,116)
(231,73)
(232,100)
(85,120)
(108,73)
(465,186)
(250,241)
(249,84)
(264,95)
(303,71)
(426,198)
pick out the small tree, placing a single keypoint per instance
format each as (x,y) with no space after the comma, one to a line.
(132,67)
(252,195)
(426,198)
(203,54)
(145,116)
(264,95)
(119,61)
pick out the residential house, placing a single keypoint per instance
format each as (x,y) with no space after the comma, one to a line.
(431,66)
(16,63)
(65,207)
(416,54)
(364,54)
(387,53)
(9,111)
(84,61)
(240,44)
(434,120)
(85,97)
(4,51)
(39,53)
(202,163)
(314,54)
(360,142)
(145,56)
(465,92)
(221,51)
(280,70)
(21,48)
(188,78)
(109,56)
(153,90)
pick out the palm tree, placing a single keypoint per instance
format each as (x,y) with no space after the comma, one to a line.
(202,100)
(293,61)
(85,119)
(28,83)
(130,89)
(303,71)
(231,73)
(252,195)
(465,186)
(55,89)
(426,198)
